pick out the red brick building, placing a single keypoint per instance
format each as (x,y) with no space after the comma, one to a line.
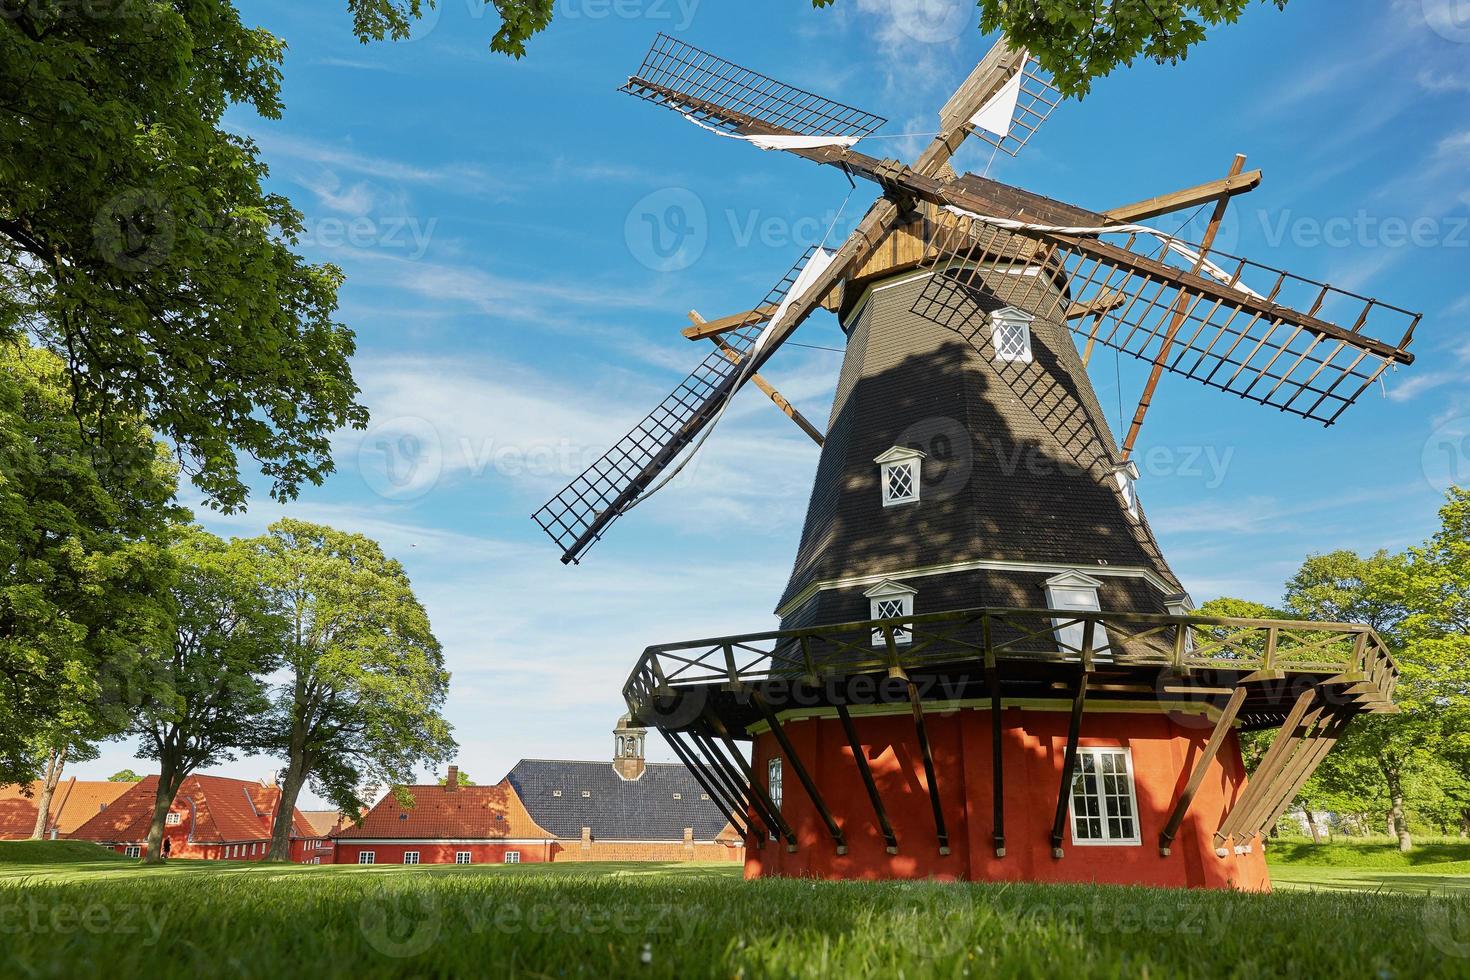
(72,804)
(212,818)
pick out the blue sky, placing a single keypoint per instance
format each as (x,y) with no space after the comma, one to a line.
(514,319)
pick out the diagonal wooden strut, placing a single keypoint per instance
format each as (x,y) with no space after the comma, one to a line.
(1069,762)
(1270,765)
(735,785)
(779,400)
(929,775)
(756,786)
(866,772)
(1219,191)
(1223,726)
(801,774)
(1318,749)
(1181,316)
(707,782)
(997,752)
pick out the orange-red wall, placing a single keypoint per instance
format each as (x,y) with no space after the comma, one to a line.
(1164,749)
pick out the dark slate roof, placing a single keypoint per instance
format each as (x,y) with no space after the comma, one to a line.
(1020,456)
(617,809)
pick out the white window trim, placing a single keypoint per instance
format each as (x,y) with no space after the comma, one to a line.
(1182,606)
(133,851)
(1011,318)
(173,819)
(463,857)
(512,857)
(1126,476)
(1105,841)
(367,857)
(410,857)
(889,591)
(908,458)
(774,780)
(1069,634)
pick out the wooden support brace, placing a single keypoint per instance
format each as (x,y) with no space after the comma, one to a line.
(1297,754)
(1216,190)
(755,784)
(1069,762)
(1267,768)
(1311,757)
(866,772)
(777,399)
(1223,727)
(707,782)
(734,784)
(997,757)
(703,328)
(805,778)
(929,774)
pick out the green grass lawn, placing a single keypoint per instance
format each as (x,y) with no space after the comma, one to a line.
(67,913)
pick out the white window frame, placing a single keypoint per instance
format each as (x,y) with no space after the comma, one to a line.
(1007,320)
(774,779)
(1182,606)
(1126,476)
(133,851)
(173,819)
(1096,753)
(410,857)
(463,857)
(911,462)
(512,857)
(367,857)
(882,600)
(1077,592)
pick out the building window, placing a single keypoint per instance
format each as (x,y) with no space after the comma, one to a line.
(1104,805)
(1126,477)
(773,781)
(512,857)
(678,796)
(586,794)
(1012,334)
(462,857)
(704,796)
(367,857)
(891,600)
(410,857)
(132,851)
(173,819)
(1181,605)
(1077,592)
(556,792)
(900,470)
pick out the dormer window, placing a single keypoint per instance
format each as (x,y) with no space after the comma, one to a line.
(900,470)
(1077,592)
(1012,334)
(891,600)
(1182,605)
(1127,480)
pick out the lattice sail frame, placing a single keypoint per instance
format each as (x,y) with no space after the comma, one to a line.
(1039,99)
(1155,318)
(715,84)
(665,433)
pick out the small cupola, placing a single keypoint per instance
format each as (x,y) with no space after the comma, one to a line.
(628,759)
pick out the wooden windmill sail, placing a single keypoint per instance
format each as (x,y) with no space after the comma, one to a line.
(984,657)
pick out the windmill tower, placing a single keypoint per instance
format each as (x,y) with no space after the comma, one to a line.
(986,669)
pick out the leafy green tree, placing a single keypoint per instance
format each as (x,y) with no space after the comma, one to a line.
(136,241)
(65,744)
(365,679)
(124,776)
(463,780)
(84,572)
(212,691)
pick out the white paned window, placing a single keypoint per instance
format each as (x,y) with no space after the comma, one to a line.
(1012,334)
(891,600)
(367,857)
(1104,804)
(773,781)
(410,857)
(1127,479)
(462,857)
(1180,606)
(132,851)
(1078,592)
(173,819)
(900,475)
(512,857)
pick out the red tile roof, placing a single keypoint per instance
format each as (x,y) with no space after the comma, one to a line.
(73,804)
(466,813)
(324,822)
(213,809)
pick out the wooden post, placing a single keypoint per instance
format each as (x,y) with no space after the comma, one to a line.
(1069,763)
(1223,726)
(801,774)
(707,782)
(755,784)
(733,784)
(1267,769)
(866,772)
(929,775)
(779,400)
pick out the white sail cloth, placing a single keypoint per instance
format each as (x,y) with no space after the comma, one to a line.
(778,142)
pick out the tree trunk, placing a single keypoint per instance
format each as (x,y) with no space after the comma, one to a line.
(1465,824)
(1398,822)
(281,828)
(1312,827)
(169,781)
(54,763)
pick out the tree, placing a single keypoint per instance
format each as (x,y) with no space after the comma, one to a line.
(125,776)
(83,563)
(365,678)
(63,745)
(137,244)
(463,780)
(212,694)
(1078,42)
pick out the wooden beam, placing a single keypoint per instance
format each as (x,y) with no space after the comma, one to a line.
(1069,761)
(1215,190)
(1183,307)
(1223,727)
(929,775)
(703,328)
(1106,302)
(866,772)
(997,758)
(1274,758)
(707,782)
(1316,752)
(779,400)
(734,785)
(997,68)
(755,784)
(801,774)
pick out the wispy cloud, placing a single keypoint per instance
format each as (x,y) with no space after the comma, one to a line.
(464,178)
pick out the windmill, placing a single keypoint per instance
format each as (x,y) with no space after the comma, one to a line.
(977,591)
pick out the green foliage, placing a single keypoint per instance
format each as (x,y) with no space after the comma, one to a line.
(463,780)
(360,706)
(520,20)
(83,594)
(124,776)
(136,241)
(1449,856)
(48,852)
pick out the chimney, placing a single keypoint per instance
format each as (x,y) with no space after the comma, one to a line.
(451,780)
(586,838)
(689,839)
